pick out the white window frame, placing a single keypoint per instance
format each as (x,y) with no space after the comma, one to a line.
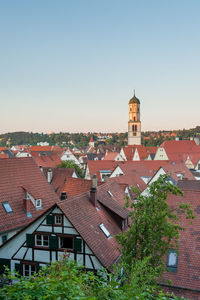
(40,203)
(58,216)
(105,230)
(109,192)
(30,272)
(7,207)
(42,240)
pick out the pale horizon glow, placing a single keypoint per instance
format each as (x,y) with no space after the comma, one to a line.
(72,65)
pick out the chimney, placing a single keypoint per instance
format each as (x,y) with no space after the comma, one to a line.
(63,196)
(27,204)
(41,168)
(93,191)
(49,175)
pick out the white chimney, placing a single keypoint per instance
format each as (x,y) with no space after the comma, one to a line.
(49,175)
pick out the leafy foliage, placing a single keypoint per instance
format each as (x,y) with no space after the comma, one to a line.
(71,165)
(154,226)
(65,280)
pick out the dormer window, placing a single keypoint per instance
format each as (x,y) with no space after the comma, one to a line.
(105,231)
(38,203)
(7,207)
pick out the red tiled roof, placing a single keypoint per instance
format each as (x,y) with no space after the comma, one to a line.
(132,179)
(129,152)
(96,165)
(60,175)
(142,151)
(151,150)
(3,148)
(49,161)
(179,168)
(3,155)
(179,146)
(16,173)
(77,186)
(154,165)
(187,275)
(111,156)
(45,148)
(130,167)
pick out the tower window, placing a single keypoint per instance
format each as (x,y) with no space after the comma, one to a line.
(134,119)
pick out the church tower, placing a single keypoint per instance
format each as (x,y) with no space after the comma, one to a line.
(134,124)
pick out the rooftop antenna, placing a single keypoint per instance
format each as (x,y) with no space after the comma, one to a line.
(134,92)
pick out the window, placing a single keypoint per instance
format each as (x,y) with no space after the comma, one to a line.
(109,192)
(58,219)
(105,231)
(38,203)
(42,240)
(172,260)
(29,270)
(66,242)
(7,207)
(4,238)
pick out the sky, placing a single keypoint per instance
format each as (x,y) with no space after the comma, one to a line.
(73,65)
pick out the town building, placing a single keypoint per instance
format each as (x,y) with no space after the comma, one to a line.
(134,123)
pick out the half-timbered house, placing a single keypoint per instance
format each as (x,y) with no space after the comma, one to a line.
(83,227)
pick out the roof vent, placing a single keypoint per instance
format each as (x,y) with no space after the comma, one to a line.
(93,191)
(49,175)
(63,196)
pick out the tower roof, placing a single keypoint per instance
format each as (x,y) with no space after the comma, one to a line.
(134,99)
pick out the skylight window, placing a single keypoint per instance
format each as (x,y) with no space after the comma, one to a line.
(109,192)
(7,207)
(105,231)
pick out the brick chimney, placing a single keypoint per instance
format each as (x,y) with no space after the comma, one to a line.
(93,191)
(27,205)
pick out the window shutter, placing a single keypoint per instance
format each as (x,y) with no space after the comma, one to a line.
(4,262)
(78,244)
(53,243)
(29,240)
(18,268)
(49,220)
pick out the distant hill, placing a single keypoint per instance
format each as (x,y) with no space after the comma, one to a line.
(149,138)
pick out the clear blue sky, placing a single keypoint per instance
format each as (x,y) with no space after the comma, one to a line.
(72,65)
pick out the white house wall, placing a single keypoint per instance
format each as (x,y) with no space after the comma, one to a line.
(154,178)
(136,156)
(122,154)
(117,172)
(161,154)
(68,155)
(87,173)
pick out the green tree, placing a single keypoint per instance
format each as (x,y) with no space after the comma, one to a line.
(64,279)
(71,165)
(154,226)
